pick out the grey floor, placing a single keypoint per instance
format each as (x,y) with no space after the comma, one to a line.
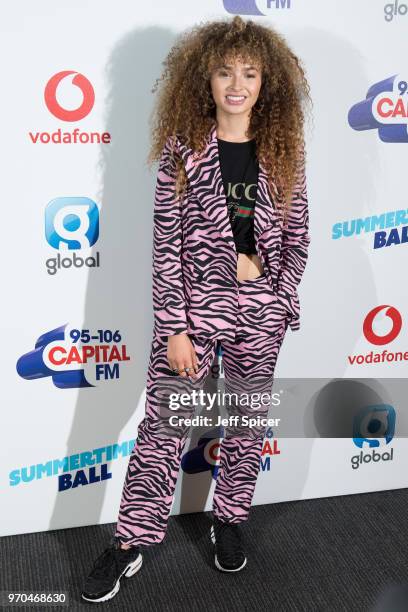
(334,554)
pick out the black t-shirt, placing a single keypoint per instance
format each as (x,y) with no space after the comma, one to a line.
(239,171)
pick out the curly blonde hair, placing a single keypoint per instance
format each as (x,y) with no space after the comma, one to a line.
(185,107)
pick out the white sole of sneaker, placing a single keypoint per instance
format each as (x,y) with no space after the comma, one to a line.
(128,572)
(217,564)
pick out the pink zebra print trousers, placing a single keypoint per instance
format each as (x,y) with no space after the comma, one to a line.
(154,463)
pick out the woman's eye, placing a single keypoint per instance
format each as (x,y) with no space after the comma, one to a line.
(251,76)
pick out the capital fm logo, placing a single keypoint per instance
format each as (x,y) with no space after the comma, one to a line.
(71,224)
(373,428)
(74,357)
(254,7)
(60,96)
(205,456)
(385,109)
(379,317)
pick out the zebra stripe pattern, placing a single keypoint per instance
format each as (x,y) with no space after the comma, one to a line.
(154,463)
(194,255)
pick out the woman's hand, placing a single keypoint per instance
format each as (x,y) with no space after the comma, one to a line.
(181,354)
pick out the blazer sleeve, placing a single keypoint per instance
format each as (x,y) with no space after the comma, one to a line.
(169,303)
(294,249)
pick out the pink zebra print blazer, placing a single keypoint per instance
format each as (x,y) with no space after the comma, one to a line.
(195,289)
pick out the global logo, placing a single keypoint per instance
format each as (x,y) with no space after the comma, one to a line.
(373,427)
(252,7)
(392,9)
(71,223)
(64,114)
(369,322)
(74,358)
(385,109)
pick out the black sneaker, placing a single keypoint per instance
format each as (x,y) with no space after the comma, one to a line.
(229,552)
(103,582)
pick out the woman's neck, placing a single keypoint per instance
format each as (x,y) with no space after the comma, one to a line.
(233,131)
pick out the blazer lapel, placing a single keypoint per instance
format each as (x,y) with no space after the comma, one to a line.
(205,178)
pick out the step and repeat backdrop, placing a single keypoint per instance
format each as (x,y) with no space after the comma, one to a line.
(77,208)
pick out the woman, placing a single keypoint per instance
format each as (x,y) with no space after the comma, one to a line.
(230,246)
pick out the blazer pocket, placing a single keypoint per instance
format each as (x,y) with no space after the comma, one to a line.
(290,302)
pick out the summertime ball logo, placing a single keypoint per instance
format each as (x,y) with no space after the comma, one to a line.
(385,109)
(75,358)
(91,466)
(388,229)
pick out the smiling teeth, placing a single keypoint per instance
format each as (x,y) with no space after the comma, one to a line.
(236,97)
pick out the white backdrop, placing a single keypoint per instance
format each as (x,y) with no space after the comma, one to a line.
(57,430)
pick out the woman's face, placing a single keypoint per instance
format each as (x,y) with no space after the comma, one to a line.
(235,86)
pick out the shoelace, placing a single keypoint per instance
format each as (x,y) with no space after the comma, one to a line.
(103,564)
(228,540)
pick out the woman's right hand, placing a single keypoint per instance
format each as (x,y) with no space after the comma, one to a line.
(181,354)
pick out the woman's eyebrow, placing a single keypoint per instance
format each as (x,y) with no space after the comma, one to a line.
(245,67)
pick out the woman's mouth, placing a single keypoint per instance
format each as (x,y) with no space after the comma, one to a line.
(235,100)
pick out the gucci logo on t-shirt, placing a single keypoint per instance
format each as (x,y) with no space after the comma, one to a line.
(237,193)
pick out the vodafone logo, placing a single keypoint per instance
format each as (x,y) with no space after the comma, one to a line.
(64,135)
(368,325)
(79,80)
(372,321)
